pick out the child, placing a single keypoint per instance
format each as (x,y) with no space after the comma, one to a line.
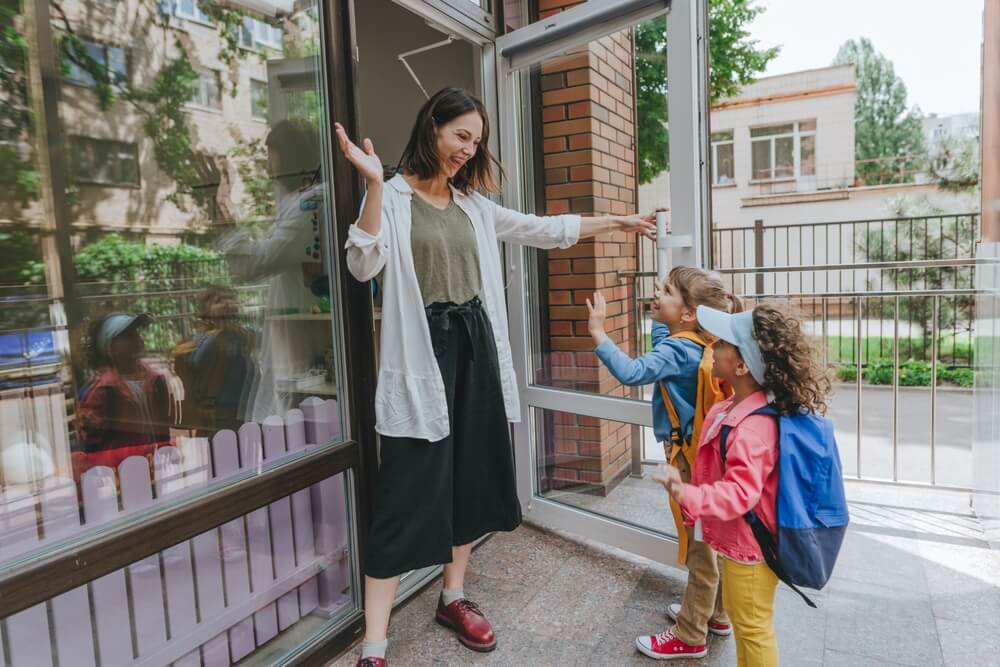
(678,348)
(763,354)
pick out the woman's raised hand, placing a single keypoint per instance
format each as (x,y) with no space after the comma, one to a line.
(365,161)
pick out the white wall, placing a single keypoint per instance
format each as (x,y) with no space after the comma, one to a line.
(834,115)
(389,97)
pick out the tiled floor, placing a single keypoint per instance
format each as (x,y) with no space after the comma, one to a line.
(911,588)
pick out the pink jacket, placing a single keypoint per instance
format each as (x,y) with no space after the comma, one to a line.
(750,480)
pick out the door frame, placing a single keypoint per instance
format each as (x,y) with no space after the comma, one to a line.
(688,111)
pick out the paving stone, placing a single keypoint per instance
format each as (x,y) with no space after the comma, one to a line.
(555,601)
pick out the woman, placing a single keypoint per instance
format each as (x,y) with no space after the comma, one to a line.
(289,257)
(446,386)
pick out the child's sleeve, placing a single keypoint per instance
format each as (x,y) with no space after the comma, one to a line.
(664,360)
(750,458)
(659,334)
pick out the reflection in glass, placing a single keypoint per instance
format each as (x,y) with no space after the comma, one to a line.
(585,462)
(177,293)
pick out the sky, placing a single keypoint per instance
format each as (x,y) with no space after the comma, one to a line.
(934,45)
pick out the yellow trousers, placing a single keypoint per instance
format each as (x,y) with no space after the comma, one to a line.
(748,595)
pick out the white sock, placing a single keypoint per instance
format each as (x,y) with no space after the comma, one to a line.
(374,648)
(449,595)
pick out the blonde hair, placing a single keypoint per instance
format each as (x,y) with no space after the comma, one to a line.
(792,370)
(698,287)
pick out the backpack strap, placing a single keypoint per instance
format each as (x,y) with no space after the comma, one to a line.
(767,542)
(676,428)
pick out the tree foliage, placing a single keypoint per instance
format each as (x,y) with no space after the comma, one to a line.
(888,136)
(734,61)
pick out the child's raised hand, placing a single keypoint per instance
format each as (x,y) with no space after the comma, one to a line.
(670,478)
(598,313)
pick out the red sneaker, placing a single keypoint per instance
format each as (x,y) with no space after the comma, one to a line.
(665,646)
(372,662)
(468,622)
(718,629)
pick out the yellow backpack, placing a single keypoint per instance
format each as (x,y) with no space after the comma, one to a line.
(708,393)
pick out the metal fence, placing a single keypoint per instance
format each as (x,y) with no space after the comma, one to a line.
(891,304)
(916,255)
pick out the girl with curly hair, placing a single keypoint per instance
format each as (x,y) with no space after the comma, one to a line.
(765,357)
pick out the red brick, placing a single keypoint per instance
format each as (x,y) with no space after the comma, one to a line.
(571,94)
(559,266)
(556,145)
(560,298)
(553,114)
(565,127)
(569,190)
(556,207)
(581,141)
(561,329)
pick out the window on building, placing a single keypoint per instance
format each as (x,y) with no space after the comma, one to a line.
(783,151)
(254,34)
(207,93)
(113,60)
(723,163)
(258,99)
(104,161)
(189,9)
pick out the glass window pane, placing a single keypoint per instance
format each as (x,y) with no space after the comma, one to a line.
(602,466)
(178,306)
(258,99)
(784,157)
(724,166)
(251,590)
(599,157)
(807,160)
(807,126)
(118,64)
(761,159)
(772,130)
(722,136)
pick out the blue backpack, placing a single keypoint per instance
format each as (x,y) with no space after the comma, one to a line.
(811,507)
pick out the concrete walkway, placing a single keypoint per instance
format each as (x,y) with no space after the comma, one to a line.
(912,587)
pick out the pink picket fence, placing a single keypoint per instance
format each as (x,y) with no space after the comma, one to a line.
(212,600)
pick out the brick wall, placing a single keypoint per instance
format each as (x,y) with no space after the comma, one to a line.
(588,148)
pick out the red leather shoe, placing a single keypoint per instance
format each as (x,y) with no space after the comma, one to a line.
(465,618)
(372,662)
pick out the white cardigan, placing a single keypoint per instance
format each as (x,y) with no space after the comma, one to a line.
(410,397)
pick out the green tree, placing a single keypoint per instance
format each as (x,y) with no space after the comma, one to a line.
(888,136)
(18,174)
(734,61)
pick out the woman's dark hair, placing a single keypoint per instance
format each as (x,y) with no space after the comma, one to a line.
(420,156)
(296,142)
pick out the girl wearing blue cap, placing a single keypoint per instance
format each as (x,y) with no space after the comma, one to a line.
(766,357)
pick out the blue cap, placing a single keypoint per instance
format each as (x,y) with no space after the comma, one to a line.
(115,325)
(736,329)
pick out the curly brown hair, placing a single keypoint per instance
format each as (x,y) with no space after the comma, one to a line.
(791,368)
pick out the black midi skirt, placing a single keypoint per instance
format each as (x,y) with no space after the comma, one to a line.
(431,496)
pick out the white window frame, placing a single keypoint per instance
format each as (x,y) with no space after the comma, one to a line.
(731,141)
(797,134)
(197,16)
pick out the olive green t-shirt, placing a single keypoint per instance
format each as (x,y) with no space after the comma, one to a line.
(445,253)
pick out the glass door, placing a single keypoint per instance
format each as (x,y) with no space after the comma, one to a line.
(584,106)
